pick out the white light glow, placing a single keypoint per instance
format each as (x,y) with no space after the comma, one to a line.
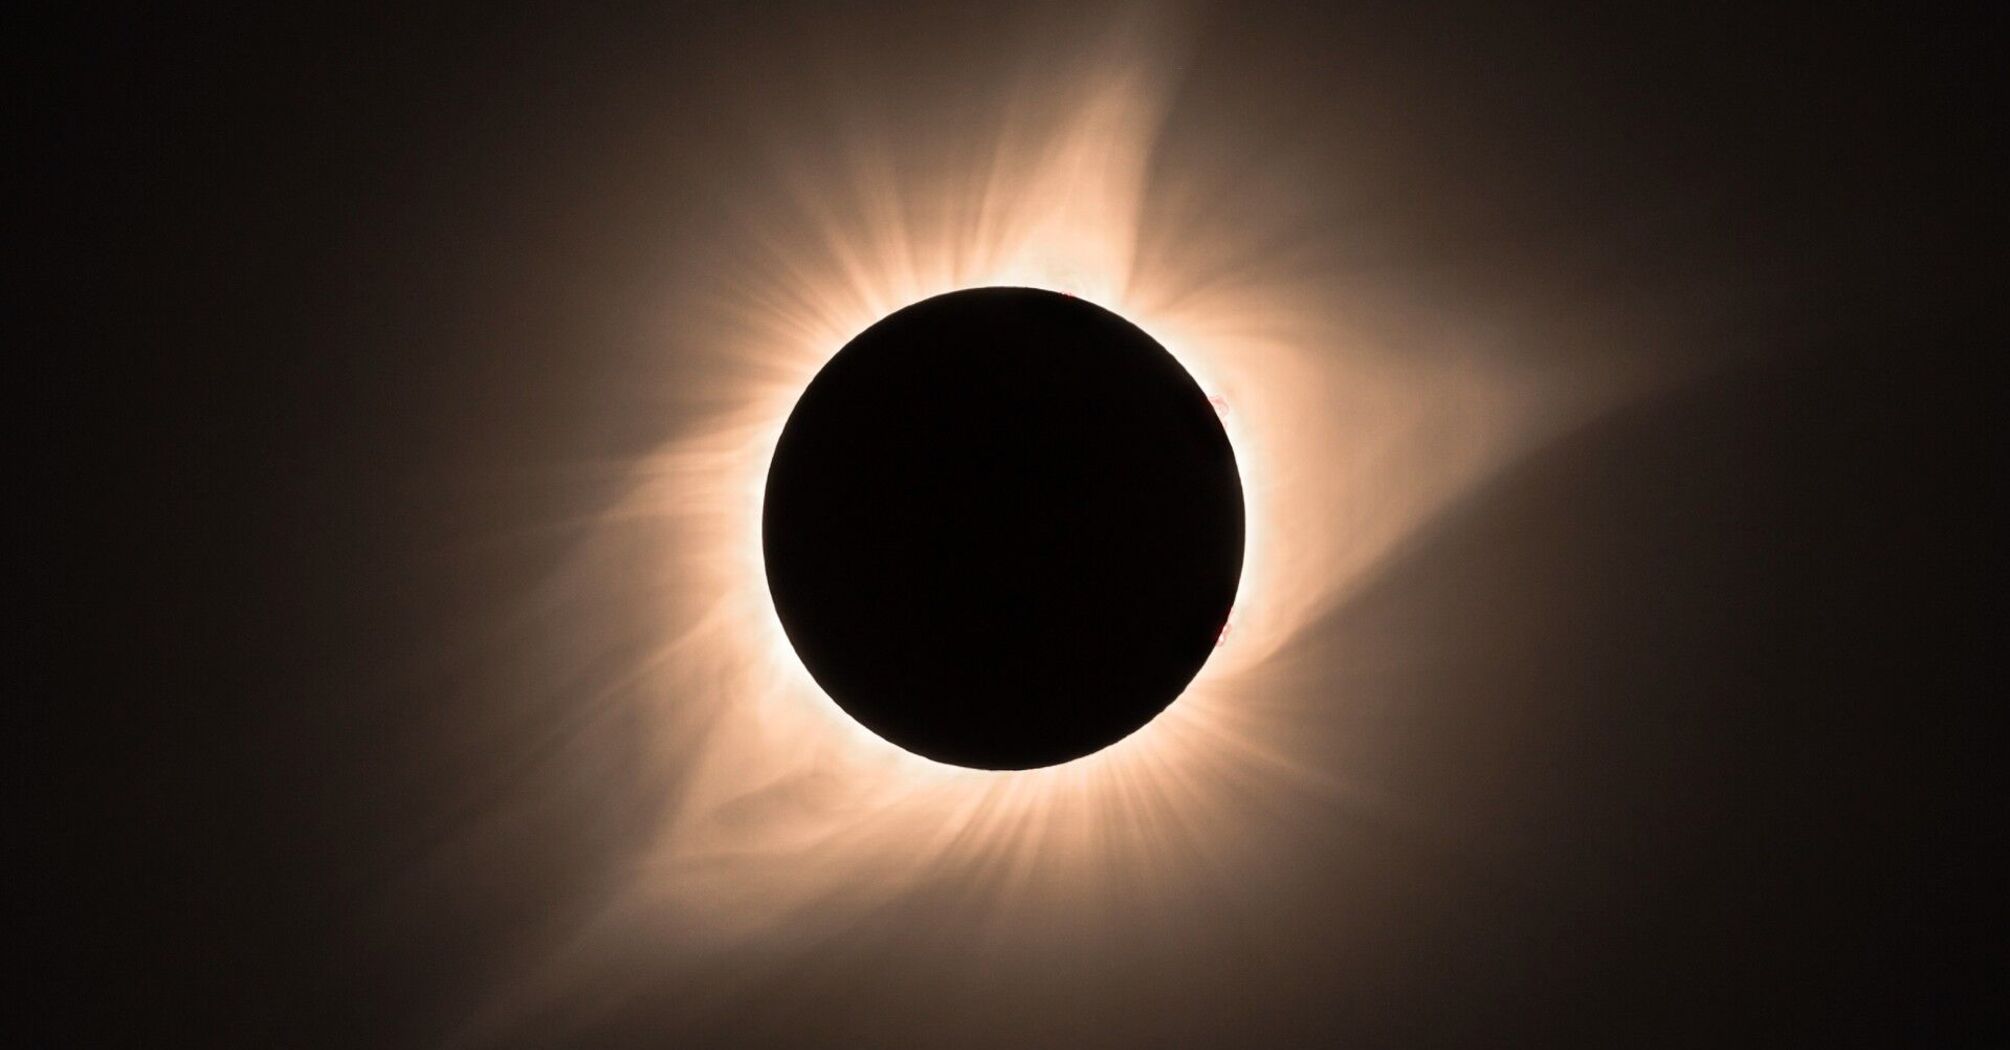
(784,819)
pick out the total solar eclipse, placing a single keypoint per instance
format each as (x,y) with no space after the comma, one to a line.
(1003,528)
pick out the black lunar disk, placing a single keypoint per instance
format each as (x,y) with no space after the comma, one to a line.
(1003,528)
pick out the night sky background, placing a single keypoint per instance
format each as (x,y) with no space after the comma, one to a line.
(328,310)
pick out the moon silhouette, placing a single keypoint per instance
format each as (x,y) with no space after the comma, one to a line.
(1003,528)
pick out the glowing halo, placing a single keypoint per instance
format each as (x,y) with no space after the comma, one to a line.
(1071,227)
(784,819)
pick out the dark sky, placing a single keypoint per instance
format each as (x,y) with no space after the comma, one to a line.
(332,308)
